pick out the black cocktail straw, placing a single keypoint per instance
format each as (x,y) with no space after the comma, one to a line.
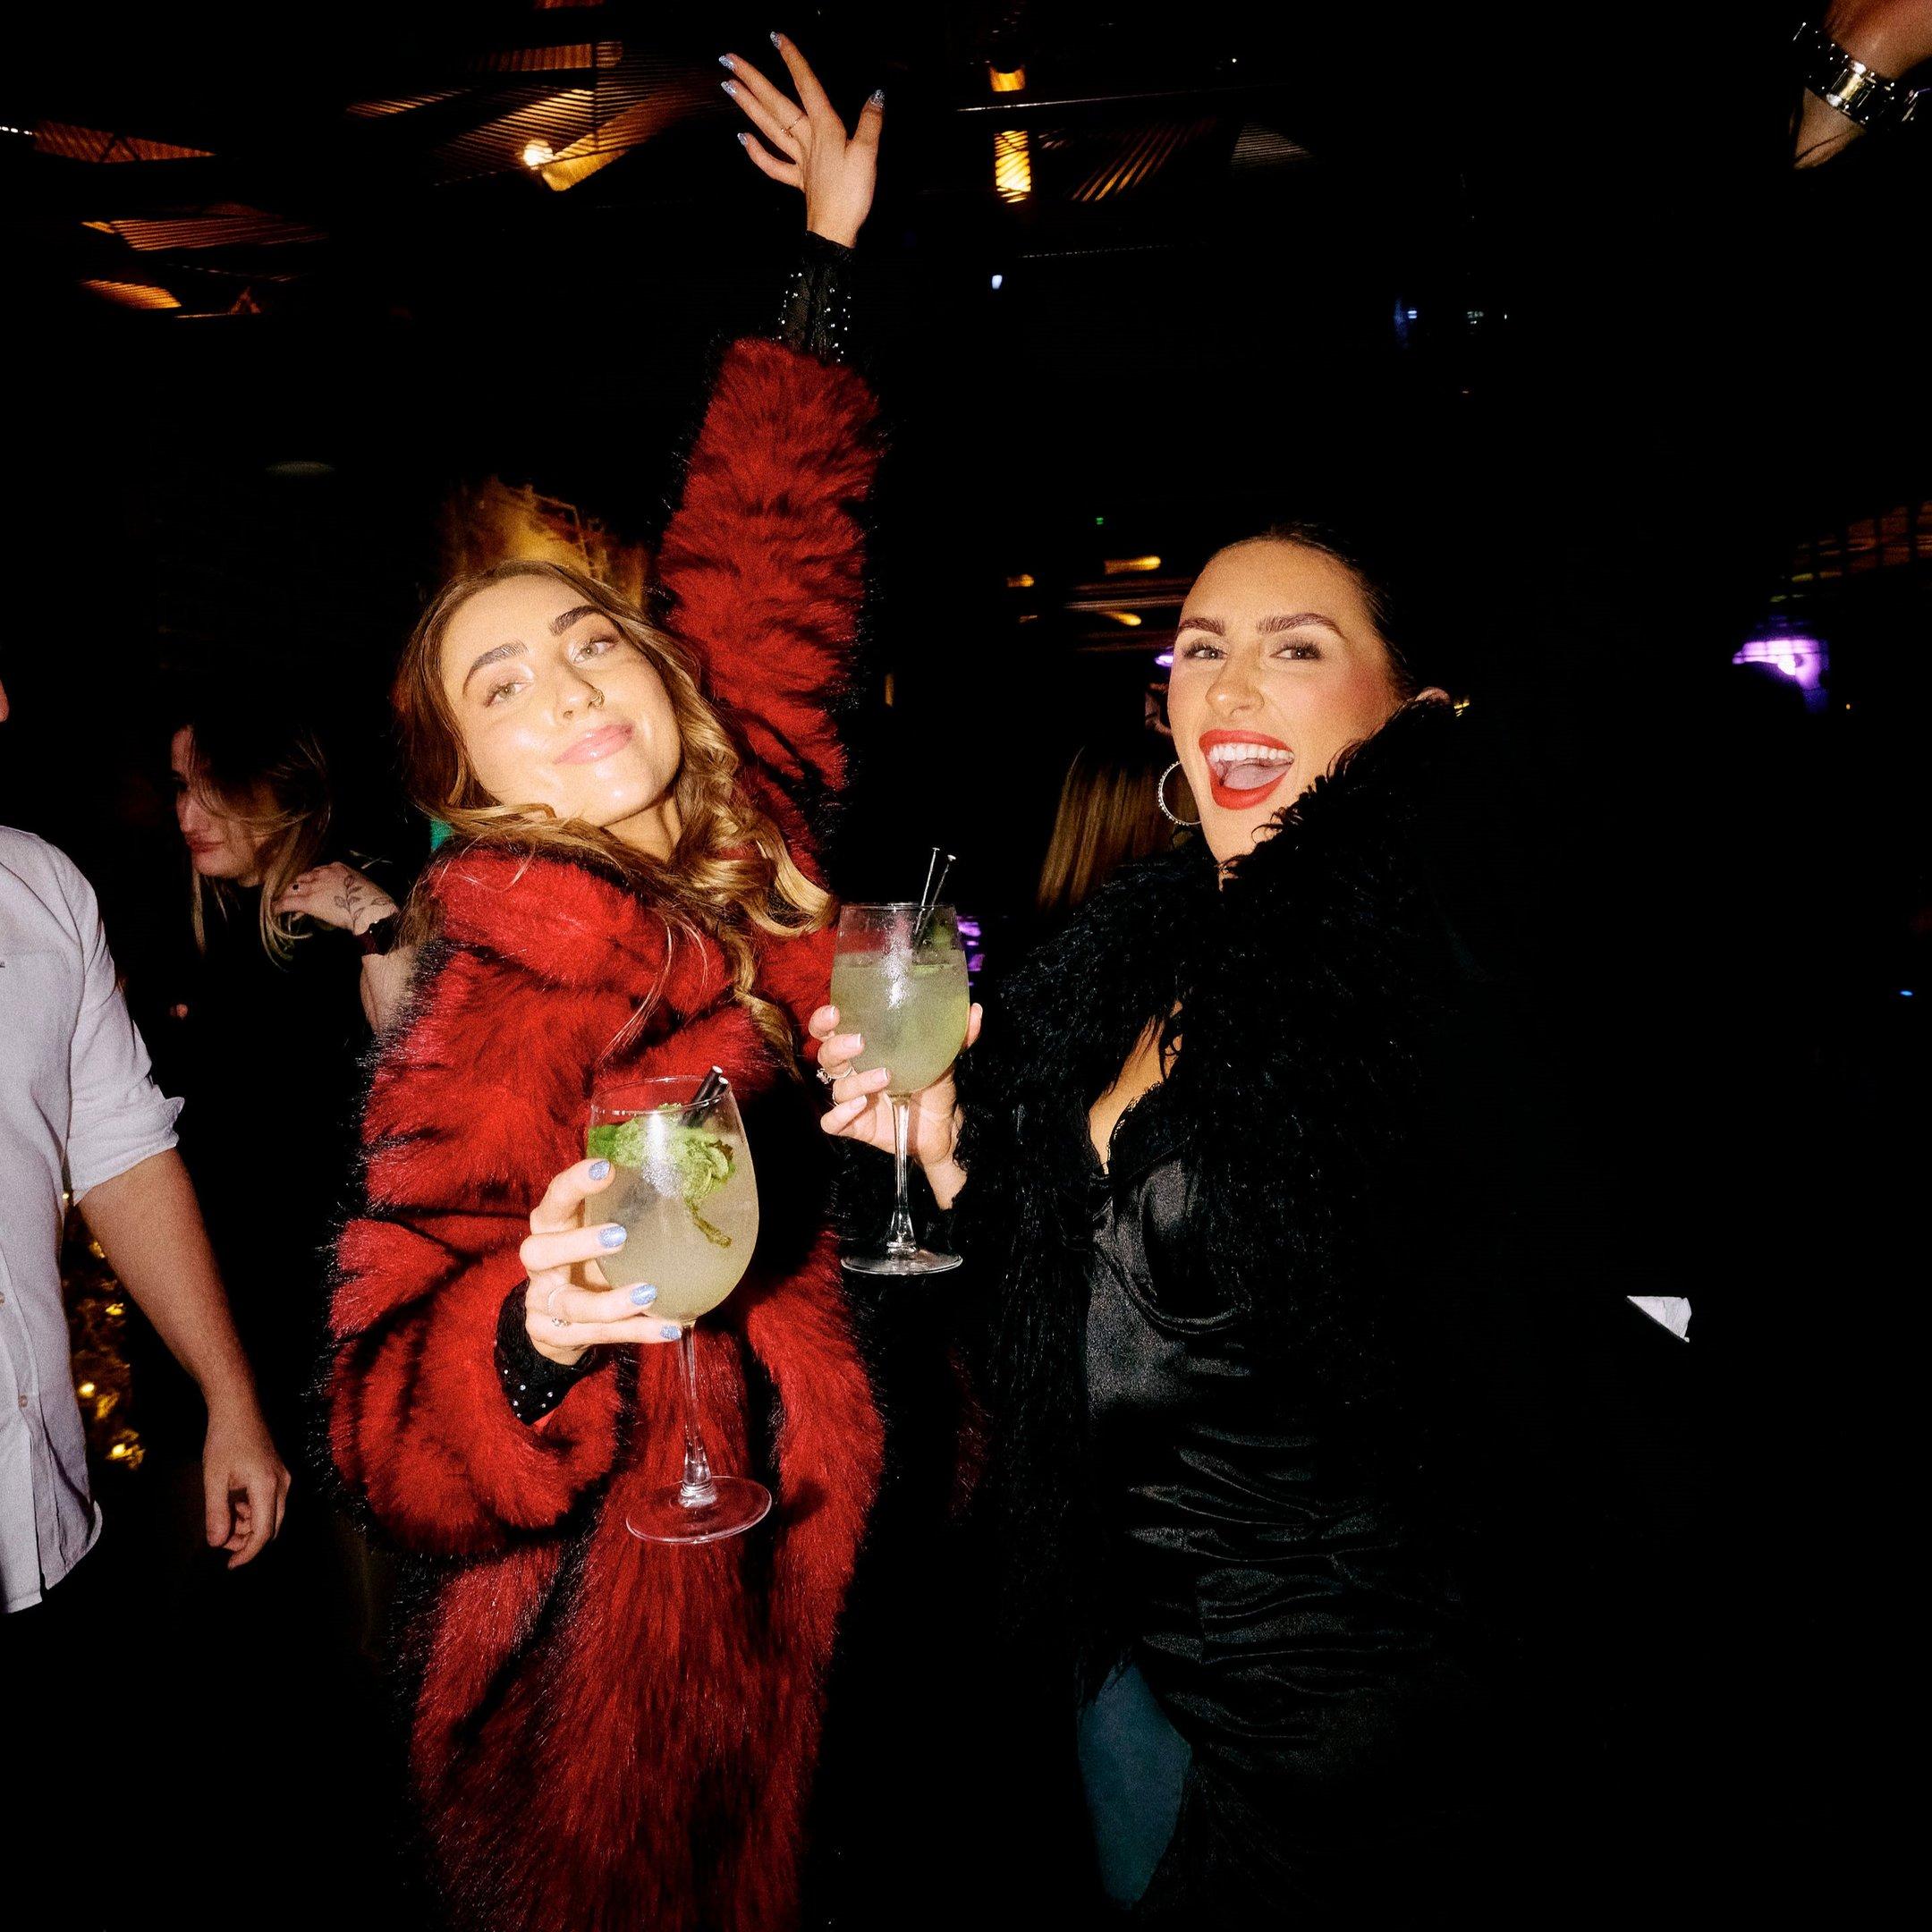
(942,860)
(714,1085)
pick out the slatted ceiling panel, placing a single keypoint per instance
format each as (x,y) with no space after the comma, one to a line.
(76,143)
(373,110)
(1258,147)
(581,56)
(1140,158)
(637,105)
(1898,538)
(496,146)
(132,294)
(222,224)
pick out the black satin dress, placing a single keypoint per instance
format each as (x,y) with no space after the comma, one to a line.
(1292,1627)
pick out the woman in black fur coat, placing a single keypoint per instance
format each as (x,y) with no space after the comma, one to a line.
(1232,1150)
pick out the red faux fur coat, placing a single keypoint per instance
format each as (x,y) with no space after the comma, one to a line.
(612,1733)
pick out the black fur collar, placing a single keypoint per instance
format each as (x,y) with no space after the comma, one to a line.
(1302,992)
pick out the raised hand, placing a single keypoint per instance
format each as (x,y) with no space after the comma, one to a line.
(805,144)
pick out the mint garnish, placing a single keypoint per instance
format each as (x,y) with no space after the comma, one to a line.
(689,1161)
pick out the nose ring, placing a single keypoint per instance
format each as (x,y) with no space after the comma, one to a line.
(595,700)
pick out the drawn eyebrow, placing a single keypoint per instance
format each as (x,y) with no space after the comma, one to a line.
(562,622)
(497,655)
(1213,624)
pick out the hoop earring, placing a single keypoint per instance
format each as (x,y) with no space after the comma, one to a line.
(1160,795)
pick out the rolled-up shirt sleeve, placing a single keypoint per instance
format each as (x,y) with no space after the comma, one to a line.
(119,1116)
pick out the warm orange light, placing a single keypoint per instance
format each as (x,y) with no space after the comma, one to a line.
(1132,619)
(1008,79)
(85,1388)
(1023,582)
(538,154)
(1012,164)
(1117,566)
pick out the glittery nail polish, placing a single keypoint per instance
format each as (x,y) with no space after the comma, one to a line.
(611,1236)
(600,1170)
(727,64)
(669,1331)
(729,87)
(643,1295)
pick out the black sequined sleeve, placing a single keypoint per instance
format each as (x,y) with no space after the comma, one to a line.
(533,1384)
(816,313)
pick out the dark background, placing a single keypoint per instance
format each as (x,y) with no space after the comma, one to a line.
(1660,393)
(1542,298)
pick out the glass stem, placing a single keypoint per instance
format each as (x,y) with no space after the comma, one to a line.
(901,1239)
(697,1491)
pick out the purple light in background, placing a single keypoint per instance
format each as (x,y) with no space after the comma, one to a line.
(969,932)
(1165,661)
(1801,659)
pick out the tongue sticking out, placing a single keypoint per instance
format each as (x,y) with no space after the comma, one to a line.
(1251,777)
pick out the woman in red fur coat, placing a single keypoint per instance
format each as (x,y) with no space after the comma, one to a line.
(611,1734)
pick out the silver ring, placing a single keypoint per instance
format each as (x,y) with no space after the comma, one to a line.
(550,1300)
(823,1075)
(557,1321)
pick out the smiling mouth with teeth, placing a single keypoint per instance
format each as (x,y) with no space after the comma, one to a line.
(1242,770)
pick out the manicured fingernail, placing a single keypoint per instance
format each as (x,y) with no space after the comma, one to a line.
(744,140)
(600,1170)
(611,1236)
(669,1331)
(643,1295)
(777,40)
(729,87)
(878,97)
(727,64)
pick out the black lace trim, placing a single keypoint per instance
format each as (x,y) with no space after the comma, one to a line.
(532,1383)
(815,316)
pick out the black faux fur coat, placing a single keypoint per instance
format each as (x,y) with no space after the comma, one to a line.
(1352,1104)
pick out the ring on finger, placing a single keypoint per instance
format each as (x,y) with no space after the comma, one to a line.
(550,1300)
(557,1321)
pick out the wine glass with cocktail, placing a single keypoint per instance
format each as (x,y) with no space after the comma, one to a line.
(899,978)
(682,1188)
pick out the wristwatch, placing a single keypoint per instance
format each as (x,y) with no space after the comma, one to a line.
(1860,93)
(379,934)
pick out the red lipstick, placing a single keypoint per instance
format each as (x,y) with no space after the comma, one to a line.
(1237,782)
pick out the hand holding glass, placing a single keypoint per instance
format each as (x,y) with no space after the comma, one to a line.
(683,1191)
(899,980)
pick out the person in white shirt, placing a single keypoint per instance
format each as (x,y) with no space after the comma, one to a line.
(78,1110)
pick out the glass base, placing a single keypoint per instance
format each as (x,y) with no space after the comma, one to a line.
(662,1517)
(918,1261)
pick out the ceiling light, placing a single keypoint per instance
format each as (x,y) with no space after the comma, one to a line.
(1012,164)
(1023,582)
(1132,619)
(538,154)
(1008,79)
(1118,567)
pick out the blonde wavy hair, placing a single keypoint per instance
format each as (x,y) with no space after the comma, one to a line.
(271,780)
(731,873)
